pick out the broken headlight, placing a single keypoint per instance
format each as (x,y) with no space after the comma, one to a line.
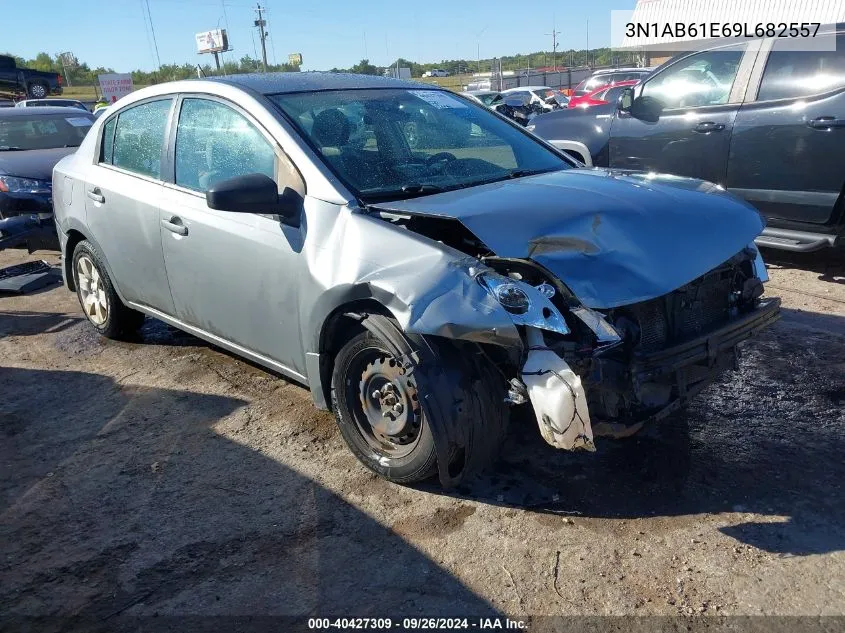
(525,304)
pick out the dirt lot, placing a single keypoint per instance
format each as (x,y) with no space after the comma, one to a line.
(166,477)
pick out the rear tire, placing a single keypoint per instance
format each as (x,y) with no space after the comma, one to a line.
(37,91)
(97,297)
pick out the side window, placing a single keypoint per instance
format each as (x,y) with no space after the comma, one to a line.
(107,150)
(139,137)
(214,142)
(791,73)
(699,80)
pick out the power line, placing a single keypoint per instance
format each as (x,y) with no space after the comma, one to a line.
(153,32)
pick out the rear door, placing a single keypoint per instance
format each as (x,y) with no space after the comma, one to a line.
(232,275)
(701,95)
(123,191)
(788,147)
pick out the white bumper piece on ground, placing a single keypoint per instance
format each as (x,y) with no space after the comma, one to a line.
(557,395)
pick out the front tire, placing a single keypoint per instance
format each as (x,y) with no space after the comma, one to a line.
(377,410)
(451,420)
(97,297)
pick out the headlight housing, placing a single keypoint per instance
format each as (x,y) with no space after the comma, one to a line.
(14,184)
(525,304)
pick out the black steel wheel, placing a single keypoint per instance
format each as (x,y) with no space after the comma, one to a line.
(378,411)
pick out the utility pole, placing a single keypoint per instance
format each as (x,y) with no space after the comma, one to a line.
(588,44)
(260,23)
(554,35)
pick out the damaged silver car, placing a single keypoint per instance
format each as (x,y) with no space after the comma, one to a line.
(420,263)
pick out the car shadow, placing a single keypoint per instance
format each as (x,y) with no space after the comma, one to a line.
(828,263)
(767,440)
(125,501)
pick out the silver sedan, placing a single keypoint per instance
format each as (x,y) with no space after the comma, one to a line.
(420,263)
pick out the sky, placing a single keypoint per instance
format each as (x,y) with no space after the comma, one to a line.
(328,33)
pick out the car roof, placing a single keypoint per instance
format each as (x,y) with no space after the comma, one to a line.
(277,83)
(607,71)
(42,111)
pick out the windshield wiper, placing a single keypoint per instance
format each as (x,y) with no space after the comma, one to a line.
(10,148)
(407,191)
(421,188)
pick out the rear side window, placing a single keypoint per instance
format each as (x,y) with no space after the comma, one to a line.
(214,143)
(791,73)
(139,138)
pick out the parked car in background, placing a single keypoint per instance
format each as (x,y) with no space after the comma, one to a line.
(609,76)
(436,72)
(25,81)
(52,103)
(414,289)
(609,93)
(539,95)
(484,97)
(32,141)
(759,119)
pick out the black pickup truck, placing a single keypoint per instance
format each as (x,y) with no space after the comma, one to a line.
(24,81)
(762,119)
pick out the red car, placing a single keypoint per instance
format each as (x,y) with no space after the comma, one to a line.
(601,95)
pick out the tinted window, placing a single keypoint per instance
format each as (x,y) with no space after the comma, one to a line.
(612,95)
(139,137)
(44,131)
(214,143)
(698,80)
(791,73)
(393,143)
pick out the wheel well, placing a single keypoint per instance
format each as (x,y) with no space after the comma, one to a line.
(337,330)
(74,237)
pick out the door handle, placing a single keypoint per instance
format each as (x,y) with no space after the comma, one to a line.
(174,225)
(709,126)
(96,195)
(826,123)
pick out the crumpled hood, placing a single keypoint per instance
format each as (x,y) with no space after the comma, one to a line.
(613,237)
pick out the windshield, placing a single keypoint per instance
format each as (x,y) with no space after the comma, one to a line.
(398,143)
(487,98)
(44,131)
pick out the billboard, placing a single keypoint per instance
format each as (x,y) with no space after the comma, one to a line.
(115,85)
(212,41)
(295,59)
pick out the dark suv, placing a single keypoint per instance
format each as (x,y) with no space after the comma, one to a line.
(761,119)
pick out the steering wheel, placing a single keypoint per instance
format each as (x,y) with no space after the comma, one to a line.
(440,157)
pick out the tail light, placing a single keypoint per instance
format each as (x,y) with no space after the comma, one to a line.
(59,79)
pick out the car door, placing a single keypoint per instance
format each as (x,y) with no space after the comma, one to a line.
(788,146)
(123,190)
(700,95)
(232,275)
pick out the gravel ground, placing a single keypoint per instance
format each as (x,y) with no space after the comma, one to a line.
(166,477)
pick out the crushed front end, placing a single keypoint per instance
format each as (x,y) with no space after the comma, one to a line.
(620,368)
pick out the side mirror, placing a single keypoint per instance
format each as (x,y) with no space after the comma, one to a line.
(255,193)
(646,109)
